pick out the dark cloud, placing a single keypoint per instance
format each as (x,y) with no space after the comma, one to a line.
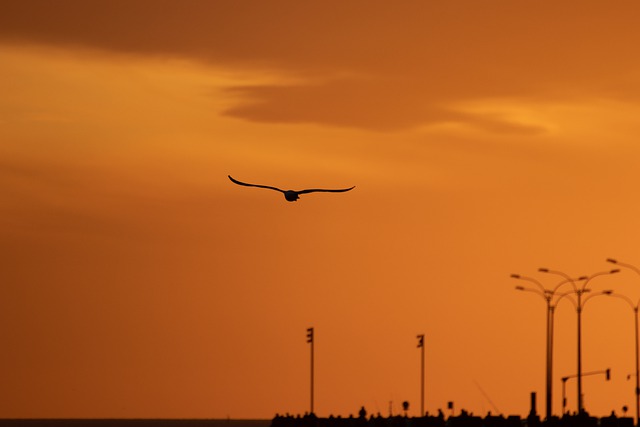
(406,64)
(350,103)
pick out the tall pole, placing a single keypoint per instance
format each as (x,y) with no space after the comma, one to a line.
(635,311)
(567,279)
(581,303)
(550,313)
(564,394)
(310,341)
(548,295)
(634,307)
(421,347)
(579,308)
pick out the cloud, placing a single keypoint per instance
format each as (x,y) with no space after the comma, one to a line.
(350,103)
(365,64)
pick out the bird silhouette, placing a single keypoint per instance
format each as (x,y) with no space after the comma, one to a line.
(291,195)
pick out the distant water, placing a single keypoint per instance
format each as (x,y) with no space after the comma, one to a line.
(132,423)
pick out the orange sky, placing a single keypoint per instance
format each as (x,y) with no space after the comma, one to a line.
(483,138)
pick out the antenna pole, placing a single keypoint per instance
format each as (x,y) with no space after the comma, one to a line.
(421,347)
(310,340)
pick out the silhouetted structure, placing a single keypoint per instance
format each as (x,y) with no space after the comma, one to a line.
(465,419)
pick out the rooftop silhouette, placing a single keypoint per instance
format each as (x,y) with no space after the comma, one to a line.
(464,419)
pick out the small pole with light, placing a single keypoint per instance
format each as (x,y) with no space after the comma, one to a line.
(421,346)
(606,372)
(310,341)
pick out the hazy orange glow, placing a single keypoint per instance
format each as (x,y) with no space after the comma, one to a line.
(483,138)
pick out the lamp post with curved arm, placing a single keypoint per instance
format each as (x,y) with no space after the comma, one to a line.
(547,295)
(579,291)
(634,307)
(635,315)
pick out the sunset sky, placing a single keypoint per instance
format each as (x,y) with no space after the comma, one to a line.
(484,138)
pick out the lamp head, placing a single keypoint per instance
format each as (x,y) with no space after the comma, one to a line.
(515,276)
(519,288)
(612,261)
(615,270)
(543,270)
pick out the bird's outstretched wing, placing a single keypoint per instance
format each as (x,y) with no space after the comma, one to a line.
(311,190)
(235,181)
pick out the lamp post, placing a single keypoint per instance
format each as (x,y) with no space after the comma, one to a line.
(579,291)
(635,315)
(310,340)
(547,295)
(421,347)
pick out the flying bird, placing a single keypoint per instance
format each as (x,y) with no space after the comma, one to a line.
(291,195)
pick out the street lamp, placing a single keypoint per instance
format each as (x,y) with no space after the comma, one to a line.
(310,340)
(623,264)
(634,307)
(421,346)
(579,304)
(635,315)
(547,295)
